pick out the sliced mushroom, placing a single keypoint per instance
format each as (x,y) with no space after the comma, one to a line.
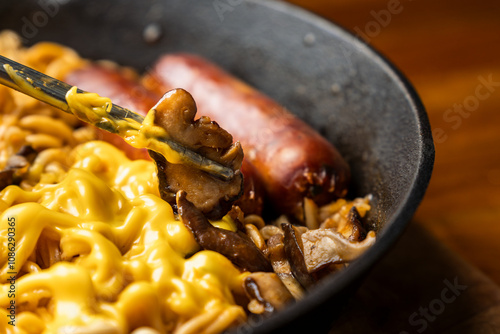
(237,216)
(16,164)
(295,254)
(323,247)
(175,113)
(267,291)
(6,178)
(281,266)
(233,245)
(270,230)
(358,232)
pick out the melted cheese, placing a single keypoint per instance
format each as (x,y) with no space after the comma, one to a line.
(100,251)
(94,109)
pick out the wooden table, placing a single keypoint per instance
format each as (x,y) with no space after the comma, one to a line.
(450,51)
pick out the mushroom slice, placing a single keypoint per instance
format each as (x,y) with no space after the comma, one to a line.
(175,113)
(281,266)
(236,247)
(326,246)
(358,232)
(295,254)
(16,165)
(238,217)
(6,178)
(267,291)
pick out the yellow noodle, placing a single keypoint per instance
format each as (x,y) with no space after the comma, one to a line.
(112,233)
(255,235)
(255,220)
(48,125)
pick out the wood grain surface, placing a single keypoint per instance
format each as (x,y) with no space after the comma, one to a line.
(450,51)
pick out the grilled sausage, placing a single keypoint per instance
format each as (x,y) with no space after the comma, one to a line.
(293,160)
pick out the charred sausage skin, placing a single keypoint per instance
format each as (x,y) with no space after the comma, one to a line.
(293,160)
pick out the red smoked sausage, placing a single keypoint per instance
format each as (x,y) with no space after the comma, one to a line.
(125,91)
(293,160)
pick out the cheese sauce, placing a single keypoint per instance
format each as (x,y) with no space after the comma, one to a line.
(118,258)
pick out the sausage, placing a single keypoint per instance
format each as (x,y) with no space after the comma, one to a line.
(294,251)
(110,81)
(293,160)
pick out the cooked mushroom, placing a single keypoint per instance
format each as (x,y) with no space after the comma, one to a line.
(347,222)
(266,292)
(175,113)
(358,232)
(323,247)
(295,254)
(6,178)
(16,164)
(238,217)
(233,245)
(281,266)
